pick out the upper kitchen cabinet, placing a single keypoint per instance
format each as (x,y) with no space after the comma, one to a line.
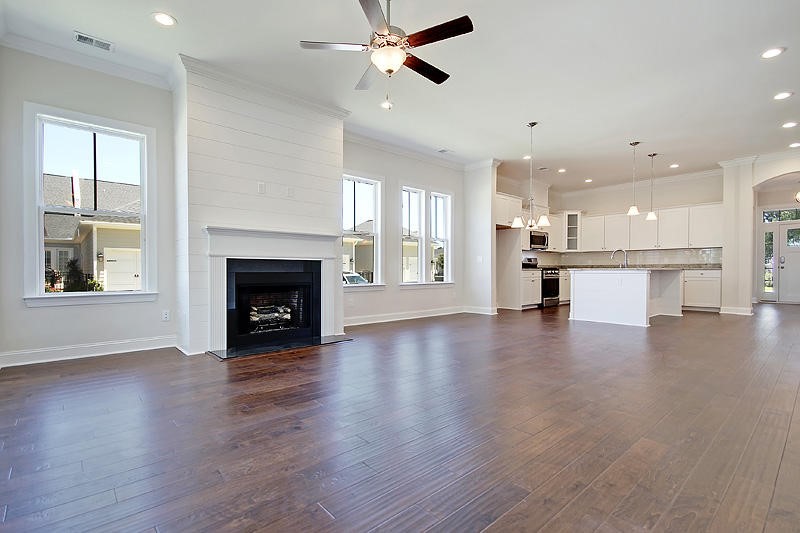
(592,234)
(555,233)
(506,207)
(670,231)
(673,228)
(705,226)
(601,233)
(644,233)
(572,225)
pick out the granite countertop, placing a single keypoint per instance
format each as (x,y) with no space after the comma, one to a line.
(673,266)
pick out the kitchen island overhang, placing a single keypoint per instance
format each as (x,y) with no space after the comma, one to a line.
(625,296)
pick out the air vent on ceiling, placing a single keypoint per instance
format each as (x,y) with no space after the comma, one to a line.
(94,42)
(444,151)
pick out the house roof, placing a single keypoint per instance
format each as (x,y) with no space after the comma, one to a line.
(111,196)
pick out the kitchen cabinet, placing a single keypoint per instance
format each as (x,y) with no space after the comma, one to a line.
(572,225)
(604,233)
(673,228)
(701,288)
(531,288)
(563,286)
(592,234)
(506,207)
(555,233)
(705,226)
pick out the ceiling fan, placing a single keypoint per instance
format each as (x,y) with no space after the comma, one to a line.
(390,46)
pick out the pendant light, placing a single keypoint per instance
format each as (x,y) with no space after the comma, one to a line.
(651,215)
(543,220)
(633,210)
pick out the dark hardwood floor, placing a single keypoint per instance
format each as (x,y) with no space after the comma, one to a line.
(519,422)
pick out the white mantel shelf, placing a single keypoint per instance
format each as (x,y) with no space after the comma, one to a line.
(626,296)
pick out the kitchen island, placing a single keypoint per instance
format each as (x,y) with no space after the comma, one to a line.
(627,296)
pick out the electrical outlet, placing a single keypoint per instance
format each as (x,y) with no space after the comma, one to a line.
(165,315)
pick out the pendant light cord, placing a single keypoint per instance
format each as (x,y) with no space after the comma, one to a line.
(531,222)
(652,172)
(633,179)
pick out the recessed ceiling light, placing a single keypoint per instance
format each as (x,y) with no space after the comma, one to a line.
(674,165)
(783,95)
(562,170)
(773,52)
(387,104)
(526,157)
(543,169)
(165,19)
(588,180)
(789,125)
(794,145)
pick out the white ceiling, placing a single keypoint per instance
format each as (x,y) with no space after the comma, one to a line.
(682,76)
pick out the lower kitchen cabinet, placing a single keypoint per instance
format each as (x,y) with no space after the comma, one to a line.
(702,288)
(531,288)
(563,286)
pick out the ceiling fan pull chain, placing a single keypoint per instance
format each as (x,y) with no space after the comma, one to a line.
(389,13)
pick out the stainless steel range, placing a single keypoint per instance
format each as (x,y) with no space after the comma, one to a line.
(550,296)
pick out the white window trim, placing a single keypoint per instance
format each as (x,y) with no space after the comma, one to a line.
(377,274)
(448,240)
(422,239)
(33,249)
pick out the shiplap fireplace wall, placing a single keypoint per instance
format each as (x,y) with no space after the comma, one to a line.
(258,174)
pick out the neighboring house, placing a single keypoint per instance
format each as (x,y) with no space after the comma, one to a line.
(108,249)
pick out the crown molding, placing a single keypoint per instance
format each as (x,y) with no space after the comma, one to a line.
(791,154)
(484,163)
(71,57)
(739,161)
(402,151)
(202,68)
(705,174)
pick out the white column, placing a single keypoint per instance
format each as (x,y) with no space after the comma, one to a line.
(480,183)
(737,243)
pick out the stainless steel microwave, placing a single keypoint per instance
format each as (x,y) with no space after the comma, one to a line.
(539,240)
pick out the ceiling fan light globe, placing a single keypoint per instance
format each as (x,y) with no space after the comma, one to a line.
(388,58)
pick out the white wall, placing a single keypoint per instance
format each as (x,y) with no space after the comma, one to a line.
(777,198)
(522,189)
(686,189)
(240,135)
(38,334)
(395,168)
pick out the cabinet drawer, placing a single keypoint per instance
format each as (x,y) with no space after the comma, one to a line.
(702,274)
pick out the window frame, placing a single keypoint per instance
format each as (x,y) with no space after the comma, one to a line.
(377,274)
(421,239)
(446,241)
(35,115)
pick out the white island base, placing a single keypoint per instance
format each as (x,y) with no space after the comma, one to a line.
(627,296)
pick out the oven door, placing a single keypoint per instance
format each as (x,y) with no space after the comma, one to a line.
(550,296)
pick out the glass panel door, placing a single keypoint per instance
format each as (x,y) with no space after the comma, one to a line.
(768,288)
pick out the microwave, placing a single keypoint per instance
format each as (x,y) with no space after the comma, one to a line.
(539,240)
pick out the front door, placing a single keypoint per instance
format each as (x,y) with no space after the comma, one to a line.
(788,262)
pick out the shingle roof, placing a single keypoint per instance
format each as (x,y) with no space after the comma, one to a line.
(111,196)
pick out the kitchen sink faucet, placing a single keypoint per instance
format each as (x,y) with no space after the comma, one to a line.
(625,261)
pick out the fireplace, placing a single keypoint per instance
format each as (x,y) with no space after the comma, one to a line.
(272,303)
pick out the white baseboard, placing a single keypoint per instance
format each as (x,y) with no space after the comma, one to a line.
(745,311)
(407,315)
(479,310)
(78,351)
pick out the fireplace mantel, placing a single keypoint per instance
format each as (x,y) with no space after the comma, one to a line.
(253,243)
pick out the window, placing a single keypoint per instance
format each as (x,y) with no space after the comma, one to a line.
(85,230)
(781,215)
(439,244)
(90,203)
(793,237)
(360,228)
(412,235)
(769,262)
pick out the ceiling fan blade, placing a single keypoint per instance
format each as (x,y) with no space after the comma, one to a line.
(346,47)
(369,77)
(443,31)
(377,21)
(424,68)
